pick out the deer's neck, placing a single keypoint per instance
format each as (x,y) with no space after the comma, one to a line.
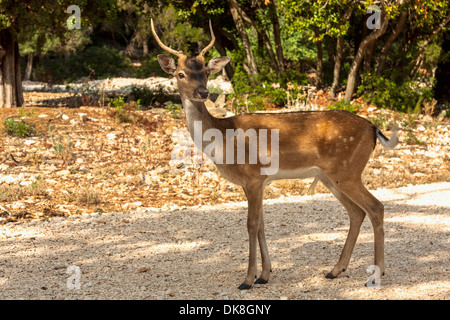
(197,116)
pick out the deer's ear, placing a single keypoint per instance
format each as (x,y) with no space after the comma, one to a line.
(217,64)
(167,63)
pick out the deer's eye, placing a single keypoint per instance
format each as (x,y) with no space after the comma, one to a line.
(181,75)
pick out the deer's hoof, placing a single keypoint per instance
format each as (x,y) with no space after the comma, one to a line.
(261,281)
(245,286)
(330,276)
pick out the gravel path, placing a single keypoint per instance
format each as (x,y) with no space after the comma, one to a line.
(201,253)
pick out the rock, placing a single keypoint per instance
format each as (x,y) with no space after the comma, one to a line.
(10,179)
(158,110)
(83,117)
(377,172)
(63,173)
(65,117)
(220,102)
(132,205)
(83,169)
(421,128)
(210,105)
(418,175)
(29,142)
(111,136)
(218,112)
(18,205)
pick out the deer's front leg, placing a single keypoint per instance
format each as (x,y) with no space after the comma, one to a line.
(254,197)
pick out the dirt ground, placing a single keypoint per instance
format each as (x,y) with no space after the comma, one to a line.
(201,252)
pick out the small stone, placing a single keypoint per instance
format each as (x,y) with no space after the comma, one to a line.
(132,205)
(83,117)
(18,205)
(29,142)
(63,173)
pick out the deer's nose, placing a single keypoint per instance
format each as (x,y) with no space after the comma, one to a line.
(203,92)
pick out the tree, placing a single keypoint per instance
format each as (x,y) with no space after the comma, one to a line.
(365,43)
(324,18)
(26,17)
(236,10)
(338,56)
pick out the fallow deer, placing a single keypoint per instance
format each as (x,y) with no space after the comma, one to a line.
(332,146)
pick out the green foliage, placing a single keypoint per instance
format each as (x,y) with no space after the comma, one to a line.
(177,33)
(124,112)
(144,95)
(19,128)
(25,17)
(344,105)
(263,92)
(386,93)
(409,125)
(149,68)
(97,61)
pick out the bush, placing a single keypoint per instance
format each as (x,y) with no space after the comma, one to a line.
(124,112)
(386,93)
(149,67)
(146,96)
(97,61)
(18,128)
(344,105)
(263,92)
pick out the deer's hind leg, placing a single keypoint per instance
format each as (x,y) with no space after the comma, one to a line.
(356,215)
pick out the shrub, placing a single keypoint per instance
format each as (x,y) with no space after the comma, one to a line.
(97,61)
(19,128)
(386,93)
(124,112)
(146,96)
(344,105)
(149,67)
(263,92)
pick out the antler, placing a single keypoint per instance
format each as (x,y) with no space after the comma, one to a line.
(162,45)
(213,39)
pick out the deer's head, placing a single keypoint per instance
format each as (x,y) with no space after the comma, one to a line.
(191,73)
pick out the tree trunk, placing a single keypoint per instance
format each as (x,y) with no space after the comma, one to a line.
(29,67)
(219,46)
(251,64)
(390,40)
(11,94)
(351,80)
(266,42)
(277,34)
(337,66)
(368,55)
(338,57)
(262,37)
(442,87)
(319,68)
(145,46)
